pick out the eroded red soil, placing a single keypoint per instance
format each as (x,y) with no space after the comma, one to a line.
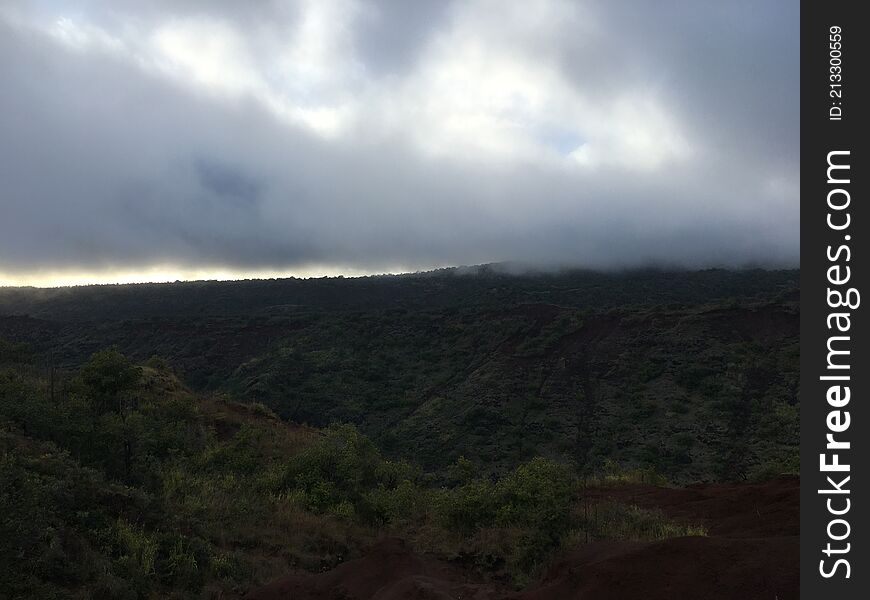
(751,552)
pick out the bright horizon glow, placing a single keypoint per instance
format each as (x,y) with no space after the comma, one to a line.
(169,274)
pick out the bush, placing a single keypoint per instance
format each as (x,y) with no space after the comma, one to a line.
(461,471)
(512,524)
(158,363)
(343,473)
(258,408)
(392,505)
(466,508)
(538,493)
(105,377)
(240,455)
(137,552)
(183,561)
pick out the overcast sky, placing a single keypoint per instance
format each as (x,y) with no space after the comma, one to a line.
(183,138)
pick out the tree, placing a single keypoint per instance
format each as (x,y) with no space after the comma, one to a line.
(106,378)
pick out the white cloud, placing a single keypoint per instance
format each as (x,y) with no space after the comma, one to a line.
(483,89)
(492,131)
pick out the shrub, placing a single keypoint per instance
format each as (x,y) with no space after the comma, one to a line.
(183,561)
(338,468)
(461,471)
(137,551)
(399,503)
(466,508)
(537,493)
(105,377)
(240,455)
(258,408)
(158,363)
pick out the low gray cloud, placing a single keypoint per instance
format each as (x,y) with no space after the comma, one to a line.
(351,135)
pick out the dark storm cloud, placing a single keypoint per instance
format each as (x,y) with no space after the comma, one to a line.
(227,182)
(370,136)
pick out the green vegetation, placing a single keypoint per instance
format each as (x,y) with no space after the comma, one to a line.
(613,474)
(126,486)
(195,440)
(616,521)
(692,374)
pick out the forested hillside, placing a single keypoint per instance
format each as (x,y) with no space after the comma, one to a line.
(126,485)
(691,373)
(484,431)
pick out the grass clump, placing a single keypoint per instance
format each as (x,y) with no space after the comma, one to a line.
(627,522)
(614,474)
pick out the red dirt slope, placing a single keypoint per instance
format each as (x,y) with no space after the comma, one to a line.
(752,552)
(388,571)
(763,509)
(711,568)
